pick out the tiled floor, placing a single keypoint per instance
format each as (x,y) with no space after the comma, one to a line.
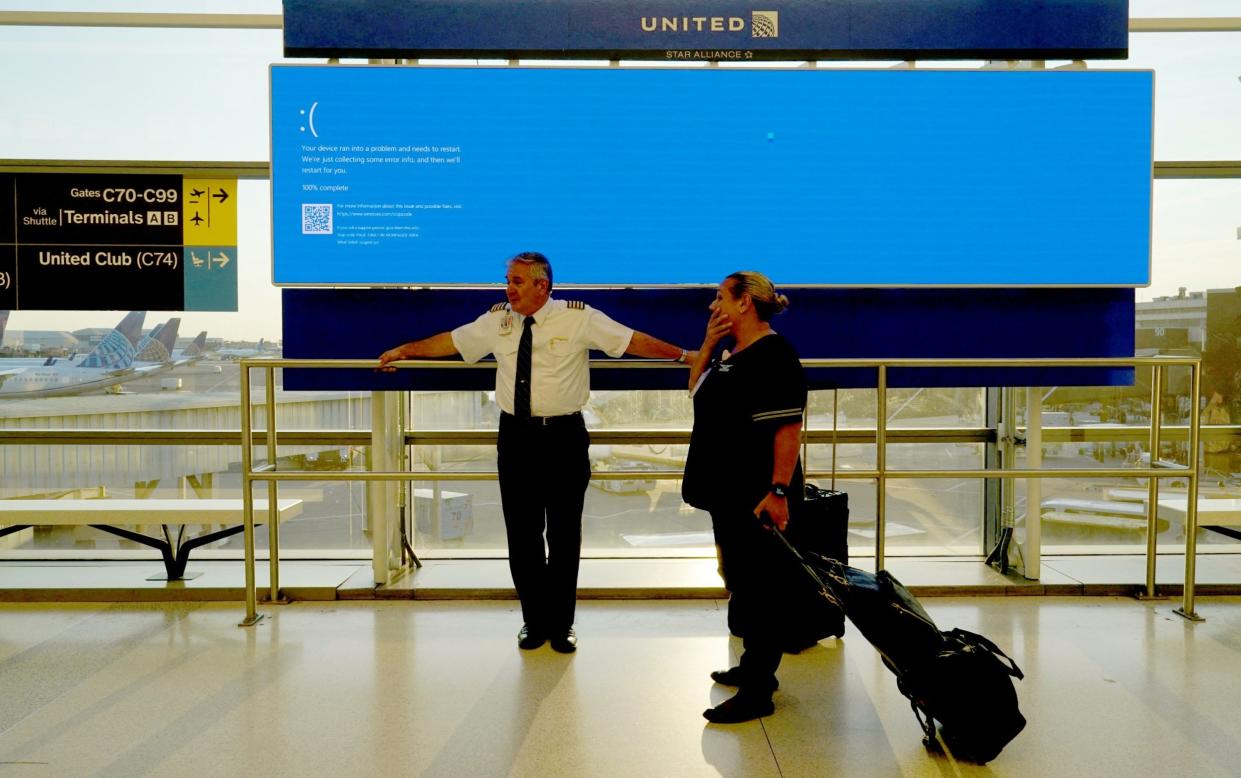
(1114,687)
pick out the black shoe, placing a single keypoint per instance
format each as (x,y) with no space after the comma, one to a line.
(565,643)
(529,639)
(742,707)
(735,676)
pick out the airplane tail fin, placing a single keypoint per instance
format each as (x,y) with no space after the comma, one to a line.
(148,338)
(169,334)
(117,350)
(158,345)
(197,347)
(4,320)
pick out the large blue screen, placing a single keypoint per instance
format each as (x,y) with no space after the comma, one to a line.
(629,176)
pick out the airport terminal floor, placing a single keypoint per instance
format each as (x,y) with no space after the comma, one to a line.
(1114,687)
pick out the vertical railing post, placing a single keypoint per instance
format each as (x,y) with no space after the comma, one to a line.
(1008,460)
(1152,493)
(273,507)
(1032,552)
(1191,498)
(379,502)
(247,497)
(881,440)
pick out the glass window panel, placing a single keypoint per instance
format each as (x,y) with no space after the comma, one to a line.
(205,396)
(1140,9)
(1108,515)
(125,93)
(1197,234)
(1197,95)
(150,6)
(333,515)
(635,516)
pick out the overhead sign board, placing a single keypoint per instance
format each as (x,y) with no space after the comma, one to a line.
(628,176)
(77,241)
(720,30)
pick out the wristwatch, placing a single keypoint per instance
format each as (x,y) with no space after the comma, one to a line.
(780,490)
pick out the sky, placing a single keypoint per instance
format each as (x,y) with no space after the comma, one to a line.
(140,94)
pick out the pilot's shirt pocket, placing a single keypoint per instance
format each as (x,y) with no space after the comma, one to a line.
(507,345)
(560,347)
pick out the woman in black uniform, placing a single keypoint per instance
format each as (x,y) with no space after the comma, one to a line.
(743,463)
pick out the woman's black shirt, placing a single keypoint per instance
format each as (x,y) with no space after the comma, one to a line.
(740,404)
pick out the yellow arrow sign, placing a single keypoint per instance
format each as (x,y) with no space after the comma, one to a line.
(209,212)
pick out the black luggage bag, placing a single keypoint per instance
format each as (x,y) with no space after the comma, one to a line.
(819,526)
(959,679)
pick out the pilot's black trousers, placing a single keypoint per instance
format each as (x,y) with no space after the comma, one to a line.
(544,470)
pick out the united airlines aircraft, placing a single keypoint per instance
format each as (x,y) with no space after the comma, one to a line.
(193,352)
(111,363)
(260,351)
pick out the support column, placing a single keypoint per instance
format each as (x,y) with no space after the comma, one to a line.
(386,441)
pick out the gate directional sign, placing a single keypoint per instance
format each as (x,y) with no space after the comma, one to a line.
(77,241)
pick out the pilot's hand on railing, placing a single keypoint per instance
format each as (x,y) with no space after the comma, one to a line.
(391,355)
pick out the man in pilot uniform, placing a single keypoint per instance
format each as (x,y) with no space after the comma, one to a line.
(542,350)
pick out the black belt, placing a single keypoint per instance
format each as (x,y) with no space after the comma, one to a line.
(544,421)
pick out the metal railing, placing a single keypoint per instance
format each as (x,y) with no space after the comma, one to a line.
(268,472)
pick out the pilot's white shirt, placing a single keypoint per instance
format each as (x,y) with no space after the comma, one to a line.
(564,334)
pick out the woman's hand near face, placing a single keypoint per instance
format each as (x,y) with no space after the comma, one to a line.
(718,326)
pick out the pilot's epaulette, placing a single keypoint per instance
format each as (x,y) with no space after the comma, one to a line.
(498,307)
(576,305)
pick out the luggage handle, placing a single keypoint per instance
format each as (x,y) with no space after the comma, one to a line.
(835,411)
(824,590)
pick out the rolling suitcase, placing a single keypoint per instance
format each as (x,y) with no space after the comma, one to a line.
(819,526)
(957,678)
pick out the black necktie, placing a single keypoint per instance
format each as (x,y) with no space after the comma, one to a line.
(521,389)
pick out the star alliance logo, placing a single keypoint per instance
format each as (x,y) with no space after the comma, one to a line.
(765,24)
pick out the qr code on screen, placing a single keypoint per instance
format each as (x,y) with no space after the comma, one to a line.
(316,219)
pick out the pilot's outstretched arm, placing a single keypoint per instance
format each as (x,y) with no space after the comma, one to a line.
(440,345)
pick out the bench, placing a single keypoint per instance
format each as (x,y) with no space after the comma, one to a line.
(1214,514)
(1098,514)
(105,514)
(1104,507)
